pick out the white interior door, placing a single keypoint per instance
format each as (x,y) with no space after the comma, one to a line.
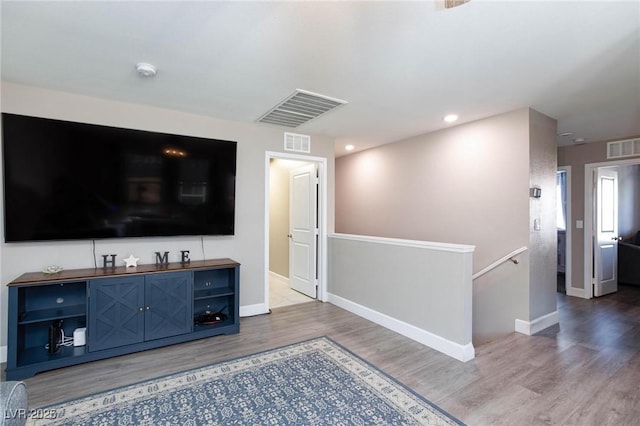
(606,235)
(303,229)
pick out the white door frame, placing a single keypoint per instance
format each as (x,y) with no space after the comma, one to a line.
(322,218)
(568,240)
(588,219)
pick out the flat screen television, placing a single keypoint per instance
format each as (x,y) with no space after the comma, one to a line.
(68,181)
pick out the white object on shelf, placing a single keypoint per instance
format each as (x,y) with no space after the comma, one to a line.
(79,336)
(131,261)
(52,269)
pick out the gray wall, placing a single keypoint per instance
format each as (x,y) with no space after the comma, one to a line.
(247,246)
(424,287)
(468,184)
(464,185)
(543,243)
(577,156)
(629,201)
(500,297)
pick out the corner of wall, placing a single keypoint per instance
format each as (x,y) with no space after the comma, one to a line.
(537,325)
(543,165)
(253,310)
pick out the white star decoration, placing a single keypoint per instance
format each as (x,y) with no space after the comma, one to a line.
(131,261)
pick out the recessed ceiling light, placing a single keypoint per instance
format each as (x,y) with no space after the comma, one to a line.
(450,118)
(349,147)
(566,134)
(145,69)
(579,140)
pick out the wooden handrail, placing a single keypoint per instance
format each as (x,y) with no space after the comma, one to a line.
(511,256)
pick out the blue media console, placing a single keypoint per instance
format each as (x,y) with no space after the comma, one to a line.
(123,310)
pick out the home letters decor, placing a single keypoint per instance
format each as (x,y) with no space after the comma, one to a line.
(106,263)
(162,259)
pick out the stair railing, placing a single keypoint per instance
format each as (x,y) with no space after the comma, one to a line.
(511,256)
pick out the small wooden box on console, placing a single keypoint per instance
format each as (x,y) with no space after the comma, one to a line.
(122,310)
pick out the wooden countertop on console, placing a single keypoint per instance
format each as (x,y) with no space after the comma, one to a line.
(77,274)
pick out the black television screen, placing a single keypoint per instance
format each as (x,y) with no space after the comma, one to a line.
(66,180)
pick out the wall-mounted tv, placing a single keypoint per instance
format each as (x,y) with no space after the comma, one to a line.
(69,181)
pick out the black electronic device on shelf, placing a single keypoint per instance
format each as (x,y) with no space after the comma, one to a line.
(55,337)
(209,318)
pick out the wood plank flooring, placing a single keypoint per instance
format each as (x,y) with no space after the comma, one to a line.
(584,372)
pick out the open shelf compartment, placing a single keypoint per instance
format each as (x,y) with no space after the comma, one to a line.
(214,280)
(53,301)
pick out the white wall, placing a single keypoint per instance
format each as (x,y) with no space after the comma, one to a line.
(246,246)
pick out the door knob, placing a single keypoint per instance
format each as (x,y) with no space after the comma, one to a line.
(616,238)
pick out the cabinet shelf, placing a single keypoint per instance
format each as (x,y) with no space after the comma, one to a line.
(212,292)
(205,327)
(51,314)
(39,355)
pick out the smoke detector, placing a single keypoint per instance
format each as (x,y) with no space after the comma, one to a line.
(146,69)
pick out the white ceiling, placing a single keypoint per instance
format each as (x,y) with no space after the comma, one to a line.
(401,65)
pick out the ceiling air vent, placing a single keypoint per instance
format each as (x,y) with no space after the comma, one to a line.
(299,108)
(297,143)
(625,148)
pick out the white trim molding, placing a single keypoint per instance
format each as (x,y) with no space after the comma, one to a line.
(461,352)
(323,171)
(568,265)
(273,276)
(532,327)
(3,354)
(457,248)
(252,310)
(576,292)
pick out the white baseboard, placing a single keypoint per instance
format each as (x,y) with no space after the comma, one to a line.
(277,277)
(251,310)
(576,292)
(455,350)
(532,327)
(3,354)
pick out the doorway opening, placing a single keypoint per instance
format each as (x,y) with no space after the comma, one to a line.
(612,222)
(563,219)
(295,223)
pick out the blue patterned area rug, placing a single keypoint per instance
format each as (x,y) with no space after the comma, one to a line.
(316,382)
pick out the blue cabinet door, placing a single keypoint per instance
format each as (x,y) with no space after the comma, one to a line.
(116,307)
(168,305)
